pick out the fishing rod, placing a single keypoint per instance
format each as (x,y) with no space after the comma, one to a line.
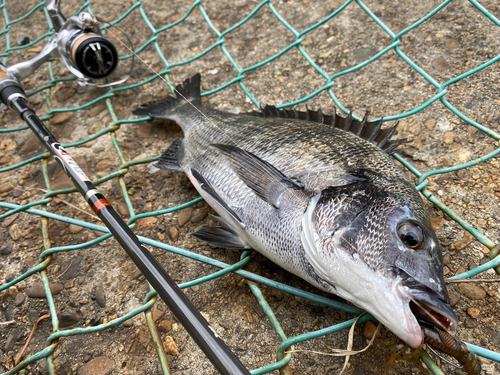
(91,58)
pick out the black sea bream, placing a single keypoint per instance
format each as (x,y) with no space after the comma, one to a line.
(318,195)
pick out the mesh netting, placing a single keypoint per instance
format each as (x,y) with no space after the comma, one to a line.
(294,44)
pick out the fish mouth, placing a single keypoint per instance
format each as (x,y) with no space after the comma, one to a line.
(429,307)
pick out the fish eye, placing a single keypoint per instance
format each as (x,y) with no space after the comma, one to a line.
(412,235)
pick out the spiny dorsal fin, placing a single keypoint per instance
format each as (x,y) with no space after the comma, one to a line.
(370,130)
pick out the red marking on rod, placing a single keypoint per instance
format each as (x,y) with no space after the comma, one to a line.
(99,205)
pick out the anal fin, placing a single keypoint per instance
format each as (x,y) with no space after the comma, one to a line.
(170,158)
(219,237)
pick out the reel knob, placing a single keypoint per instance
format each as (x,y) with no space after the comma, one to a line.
(94,56)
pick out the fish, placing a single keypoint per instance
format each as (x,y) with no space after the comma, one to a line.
(320,196)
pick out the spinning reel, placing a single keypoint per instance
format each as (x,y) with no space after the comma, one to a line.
(80,43)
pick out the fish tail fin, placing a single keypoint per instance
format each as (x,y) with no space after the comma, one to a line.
(188,91)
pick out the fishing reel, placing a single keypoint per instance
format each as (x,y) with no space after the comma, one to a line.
(80,43)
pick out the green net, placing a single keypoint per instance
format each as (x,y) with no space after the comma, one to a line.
(151,41)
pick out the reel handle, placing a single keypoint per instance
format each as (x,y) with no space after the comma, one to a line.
(57,18)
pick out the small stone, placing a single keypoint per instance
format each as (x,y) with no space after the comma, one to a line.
(100,297)
(97,366)
(464,156)
(12,291)
(472,291)
(64,93)
(123,209)
(144,130)
(249,317)
(157,314)
(8,144)
(200,216)
(17,193)
(362,54)
(103,164)
(15,335)
(170,346)
(451,44)
(61,118)
(469,323)
(8,313)
(473,312)
(74,229)
(446,271)
(70,267)
(165,326)
(23,40)
(31,143)
(37,291)
(6,187)
(173,233)
(437,223)
(19,300)
(70,284)
(184,216)
(174,198)
(369,330)
(158,185)
(14,232)
(454,297)
(95,127)
(147,222)
(415,129)
(68,319)
(440,64)
(128,323)
(144,337)
(33,316)
(430,123)
(6,249)
(160,235)
(98,108)
(448,138)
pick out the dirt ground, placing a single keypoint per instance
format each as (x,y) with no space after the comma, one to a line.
(99,283)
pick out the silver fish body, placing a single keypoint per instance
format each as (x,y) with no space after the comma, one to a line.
(321,202)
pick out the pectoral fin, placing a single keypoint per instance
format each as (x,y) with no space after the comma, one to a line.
(170,158)
(220,237)
(260,176)
(207,188)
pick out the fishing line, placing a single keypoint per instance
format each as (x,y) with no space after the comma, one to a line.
(286,188)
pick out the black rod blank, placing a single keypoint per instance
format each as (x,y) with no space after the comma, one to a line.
(203,334)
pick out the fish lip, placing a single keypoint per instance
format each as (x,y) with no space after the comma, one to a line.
(429,307)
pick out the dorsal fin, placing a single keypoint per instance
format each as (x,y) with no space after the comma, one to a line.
(370,130)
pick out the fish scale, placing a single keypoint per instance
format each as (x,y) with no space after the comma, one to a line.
(320,201)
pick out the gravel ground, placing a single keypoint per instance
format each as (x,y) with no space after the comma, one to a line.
(99,283)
